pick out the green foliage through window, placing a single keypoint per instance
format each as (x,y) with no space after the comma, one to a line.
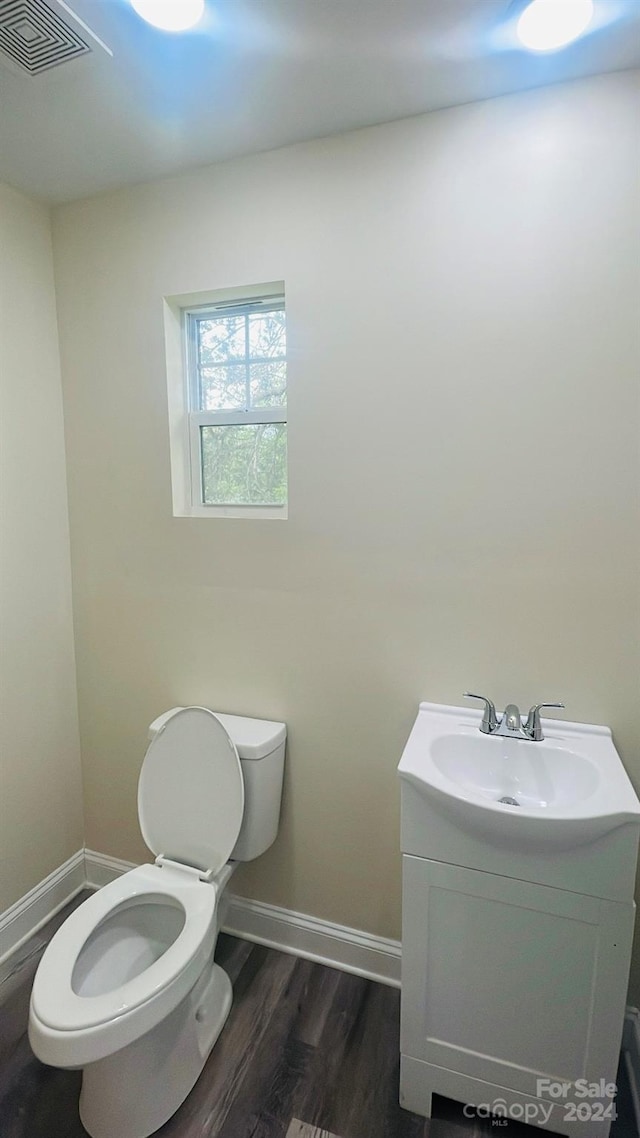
(244,465)
(238,399)
(242,361)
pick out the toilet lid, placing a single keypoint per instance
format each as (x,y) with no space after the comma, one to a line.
(191,791)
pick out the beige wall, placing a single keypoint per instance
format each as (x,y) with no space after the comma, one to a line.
(40,785)
(462,298)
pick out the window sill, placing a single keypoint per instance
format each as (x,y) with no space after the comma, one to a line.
(277,513)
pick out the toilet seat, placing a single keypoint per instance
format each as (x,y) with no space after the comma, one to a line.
(191,791)
(94,1026)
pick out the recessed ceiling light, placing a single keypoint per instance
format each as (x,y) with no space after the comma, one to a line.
(170,15)
(546,25)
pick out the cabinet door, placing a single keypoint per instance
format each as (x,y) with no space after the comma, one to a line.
(511,982)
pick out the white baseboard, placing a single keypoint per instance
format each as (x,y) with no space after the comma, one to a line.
(631,1052)
(375,957)
(38,906)
(101,869)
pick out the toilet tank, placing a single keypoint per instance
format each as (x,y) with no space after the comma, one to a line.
(260,744)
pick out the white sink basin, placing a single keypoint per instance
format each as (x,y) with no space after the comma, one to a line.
(539,775)
(568,789)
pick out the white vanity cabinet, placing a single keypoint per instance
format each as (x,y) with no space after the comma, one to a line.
(505,983)
(518,920)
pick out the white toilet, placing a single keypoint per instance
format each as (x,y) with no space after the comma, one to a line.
(127,988)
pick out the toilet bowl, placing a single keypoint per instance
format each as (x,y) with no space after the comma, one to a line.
(127,989)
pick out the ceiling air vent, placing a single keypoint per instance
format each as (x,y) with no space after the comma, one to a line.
(36,38)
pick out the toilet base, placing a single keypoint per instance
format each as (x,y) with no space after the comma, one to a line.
(132,1093)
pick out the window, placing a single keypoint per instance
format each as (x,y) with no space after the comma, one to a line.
(236,406)
(237,365)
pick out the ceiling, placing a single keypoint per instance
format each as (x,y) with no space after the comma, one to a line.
(258,74)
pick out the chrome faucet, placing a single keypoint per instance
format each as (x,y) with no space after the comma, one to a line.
(510,725)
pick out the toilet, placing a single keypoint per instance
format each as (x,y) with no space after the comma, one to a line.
(127,989)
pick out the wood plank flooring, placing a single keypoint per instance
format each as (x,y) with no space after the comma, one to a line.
(307,1052)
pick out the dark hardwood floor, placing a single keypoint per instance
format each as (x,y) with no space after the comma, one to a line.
(307,1052)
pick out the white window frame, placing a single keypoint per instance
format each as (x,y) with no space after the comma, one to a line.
(185,417)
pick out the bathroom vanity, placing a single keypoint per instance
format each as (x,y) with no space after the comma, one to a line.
(518,919)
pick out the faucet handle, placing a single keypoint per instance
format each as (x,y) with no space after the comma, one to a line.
(489,719)
(532,727)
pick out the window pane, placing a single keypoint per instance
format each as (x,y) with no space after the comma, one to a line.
(220,339)
(244,465)
(269,384)
(223,388)
(267,334)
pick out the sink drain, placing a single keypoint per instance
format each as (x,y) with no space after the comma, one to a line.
(509,801)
